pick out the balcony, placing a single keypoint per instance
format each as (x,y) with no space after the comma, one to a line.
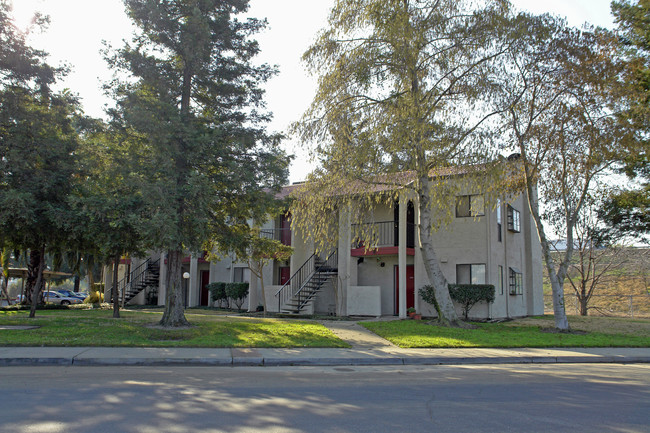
(380,238)
(282,235)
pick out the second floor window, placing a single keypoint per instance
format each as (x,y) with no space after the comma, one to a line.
(499,229)
(514,220)
(470,206)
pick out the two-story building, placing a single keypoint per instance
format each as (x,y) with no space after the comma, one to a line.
(376,267)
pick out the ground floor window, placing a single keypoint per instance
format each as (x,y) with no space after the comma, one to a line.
(516,282)
(240,275)
(500,279)
(470,274)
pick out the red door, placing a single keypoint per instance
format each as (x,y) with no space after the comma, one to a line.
(205,293)
(285,274)
(410,287)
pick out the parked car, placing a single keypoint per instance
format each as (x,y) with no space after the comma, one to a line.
(71,294)
(59,298)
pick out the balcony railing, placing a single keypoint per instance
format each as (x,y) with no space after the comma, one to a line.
(282,235)
(381,234)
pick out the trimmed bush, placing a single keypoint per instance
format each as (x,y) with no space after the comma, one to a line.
(469,295)
(466,295)
(237,292)
(218,293)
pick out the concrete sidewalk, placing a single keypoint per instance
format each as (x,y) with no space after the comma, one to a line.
(87,356)
(366,349)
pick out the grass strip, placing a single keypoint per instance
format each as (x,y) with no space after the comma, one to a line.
(421,334)
(137,329)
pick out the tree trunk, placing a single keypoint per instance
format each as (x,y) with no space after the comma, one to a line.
(114,294)
(77,281)
(556,278)
(447,312)
(32,274)
(174,315)
(5,292)
(38,284)
(584,304)
(90,264)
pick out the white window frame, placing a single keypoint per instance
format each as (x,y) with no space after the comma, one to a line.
(514,220)
(474,272)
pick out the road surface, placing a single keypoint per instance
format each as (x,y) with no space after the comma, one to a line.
(492,398)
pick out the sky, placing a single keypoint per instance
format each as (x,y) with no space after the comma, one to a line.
(78,27)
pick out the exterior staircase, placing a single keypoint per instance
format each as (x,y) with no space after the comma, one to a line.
(305,284)
(145,275)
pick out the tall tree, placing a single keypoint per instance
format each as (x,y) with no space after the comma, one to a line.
(626,211)
(194,102)
(560,95)
(37,144)
(109,207)
(598,254)
(403,90)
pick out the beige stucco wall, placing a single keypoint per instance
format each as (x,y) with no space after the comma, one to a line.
(364,301)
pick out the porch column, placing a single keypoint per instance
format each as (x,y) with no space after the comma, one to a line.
(401,255)
(193,295)
(345,242)
(162,283)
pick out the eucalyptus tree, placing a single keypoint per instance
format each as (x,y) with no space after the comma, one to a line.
(37,144)
(560,100)
(403,92)
(193,101)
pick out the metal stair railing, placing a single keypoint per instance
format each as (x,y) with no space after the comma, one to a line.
(306,291)
(299,280)
(285,294)
(137,280)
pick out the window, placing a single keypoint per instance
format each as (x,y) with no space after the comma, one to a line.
(499,221)
(240,275)
(500,279)
(514,220)
(470,274)
(470,206)
(516,282)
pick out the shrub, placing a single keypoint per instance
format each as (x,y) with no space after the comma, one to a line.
(237,292)
(218,293)
(428,295)
(94,298)
(466,295)
(469,295)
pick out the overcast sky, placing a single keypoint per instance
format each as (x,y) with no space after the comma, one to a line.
(78,27)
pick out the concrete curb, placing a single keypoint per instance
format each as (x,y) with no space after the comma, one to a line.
(12,357)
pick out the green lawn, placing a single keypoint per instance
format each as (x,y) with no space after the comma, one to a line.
(98,328)
(525,333)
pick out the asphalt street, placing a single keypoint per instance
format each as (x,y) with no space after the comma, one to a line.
(339,399)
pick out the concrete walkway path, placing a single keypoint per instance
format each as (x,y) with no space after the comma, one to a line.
(356,335)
